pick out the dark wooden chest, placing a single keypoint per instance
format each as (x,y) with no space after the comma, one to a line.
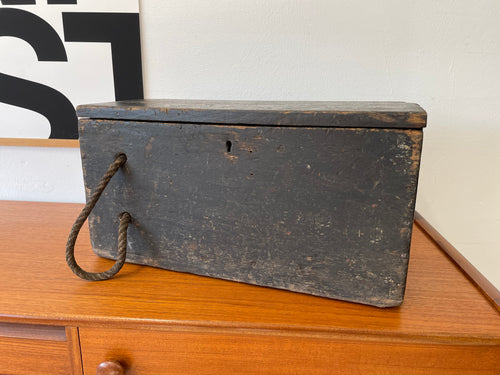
(312,197)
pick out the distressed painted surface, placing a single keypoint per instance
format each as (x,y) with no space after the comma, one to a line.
(304,113)
(316,210)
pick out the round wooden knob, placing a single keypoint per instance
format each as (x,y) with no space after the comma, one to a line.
(110,368)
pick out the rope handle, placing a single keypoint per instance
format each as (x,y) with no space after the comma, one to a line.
(124,218)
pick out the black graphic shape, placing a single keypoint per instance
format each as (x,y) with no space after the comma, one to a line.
(31,95)
(44,100)
(34,30)
(33,2)
(61,1)
(18,2)
(123,32)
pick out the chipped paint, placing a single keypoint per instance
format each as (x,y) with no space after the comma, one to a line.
(149,147)
(231,158)
(307,221)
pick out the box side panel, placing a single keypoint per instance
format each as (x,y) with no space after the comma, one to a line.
(321,211)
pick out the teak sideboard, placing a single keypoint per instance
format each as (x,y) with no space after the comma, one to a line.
(152,321)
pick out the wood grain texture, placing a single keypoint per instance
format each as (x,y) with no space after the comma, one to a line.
(154,321)
(327,212)
(490,291)
(311,114)
(34,357)
(34,142)
(441,305)
(263,353)
(74,348)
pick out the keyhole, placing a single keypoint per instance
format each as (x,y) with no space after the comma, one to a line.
(229,144)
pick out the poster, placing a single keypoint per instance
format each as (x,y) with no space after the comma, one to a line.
(57,54)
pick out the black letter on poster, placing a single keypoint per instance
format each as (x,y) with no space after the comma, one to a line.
(33,2)
(18,2)
(123,32)
(31,95)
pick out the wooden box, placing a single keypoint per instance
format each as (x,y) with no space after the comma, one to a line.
(312,197)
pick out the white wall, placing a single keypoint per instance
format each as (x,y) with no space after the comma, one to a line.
(442,54)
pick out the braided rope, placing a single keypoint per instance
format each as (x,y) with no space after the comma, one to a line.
(124,218)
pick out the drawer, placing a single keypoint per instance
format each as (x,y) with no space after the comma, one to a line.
(35,349)
(144,352)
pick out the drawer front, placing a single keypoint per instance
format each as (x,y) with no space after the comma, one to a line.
(33,349)
(144,352)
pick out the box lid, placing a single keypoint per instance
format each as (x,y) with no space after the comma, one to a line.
(270,113)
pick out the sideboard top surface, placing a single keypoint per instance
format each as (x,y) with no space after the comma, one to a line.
(37,286)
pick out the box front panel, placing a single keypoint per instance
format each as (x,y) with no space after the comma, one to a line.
(321,211)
